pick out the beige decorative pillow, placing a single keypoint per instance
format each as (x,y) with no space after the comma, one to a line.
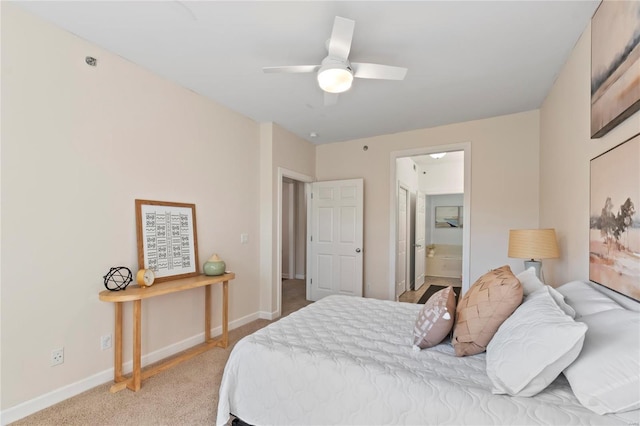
(436,319)
(482,309)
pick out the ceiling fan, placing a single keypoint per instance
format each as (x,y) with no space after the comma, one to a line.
(335,74)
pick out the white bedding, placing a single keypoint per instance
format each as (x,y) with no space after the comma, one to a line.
(349,361)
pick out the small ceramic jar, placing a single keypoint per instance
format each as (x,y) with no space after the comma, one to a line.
(214,266)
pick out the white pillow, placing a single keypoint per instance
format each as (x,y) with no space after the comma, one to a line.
(585,299)
(529,281)
(531,284)
(533,346)
(606,376)
(559,298)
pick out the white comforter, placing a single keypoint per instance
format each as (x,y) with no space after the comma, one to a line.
(349,361)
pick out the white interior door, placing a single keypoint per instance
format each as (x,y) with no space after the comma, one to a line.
(420,239)
(335,238)
(401,241)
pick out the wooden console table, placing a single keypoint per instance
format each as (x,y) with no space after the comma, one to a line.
(135,294)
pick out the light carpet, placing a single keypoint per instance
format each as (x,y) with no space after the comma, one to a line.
(186,394)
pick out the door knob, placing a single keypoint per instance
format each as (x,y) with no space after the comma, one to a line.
(357,250)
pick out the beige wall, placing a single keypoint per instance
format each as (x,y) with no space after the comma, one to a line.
(504,186)
(79,144)
(279,148)
(72,140)
(565,152)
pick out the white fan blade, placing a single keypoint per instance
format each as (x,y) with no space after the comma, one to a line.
(291,69)
(330,99)
(377,71)
(340,42)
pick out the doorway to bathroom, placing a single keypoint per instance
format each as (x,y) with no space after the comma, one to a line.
(430,206)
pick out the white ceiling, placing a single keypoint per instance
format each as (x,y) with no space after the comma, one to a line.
(467,59)
(453,157)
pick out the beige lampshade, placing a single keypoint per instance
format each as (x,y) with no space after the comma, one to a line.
(533,244)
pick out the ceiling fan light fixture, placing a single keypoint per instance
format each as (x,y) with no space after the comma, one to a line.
(335,79)
(437,155)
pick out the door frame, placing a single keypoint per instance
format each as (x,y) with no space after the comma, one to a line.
(407,242)
(282,173)
(466,232)
(291,272)
(420,195)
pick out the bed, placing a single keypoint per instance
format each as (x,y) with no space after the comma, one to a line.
(350,361)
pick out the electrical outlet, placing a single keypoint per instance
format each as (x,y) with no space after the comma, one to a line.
(57,356)
(105,342)
(244,238)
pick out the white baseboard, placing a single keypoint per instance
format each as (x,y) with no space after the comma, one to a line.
(300,276)
(41,402)
(268,315)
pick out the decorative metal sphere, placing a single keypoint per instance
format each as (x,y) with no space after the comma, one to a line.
(118,278)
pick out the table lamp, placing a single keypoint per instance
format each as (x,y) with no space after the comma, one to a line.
(533,244)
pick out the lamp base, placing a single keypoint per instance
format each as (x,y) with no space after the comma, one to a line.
(535,264)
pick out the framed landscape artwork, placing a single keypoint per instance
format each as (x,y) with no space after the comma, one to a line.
(614,228)
(615,64)
(448,217)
